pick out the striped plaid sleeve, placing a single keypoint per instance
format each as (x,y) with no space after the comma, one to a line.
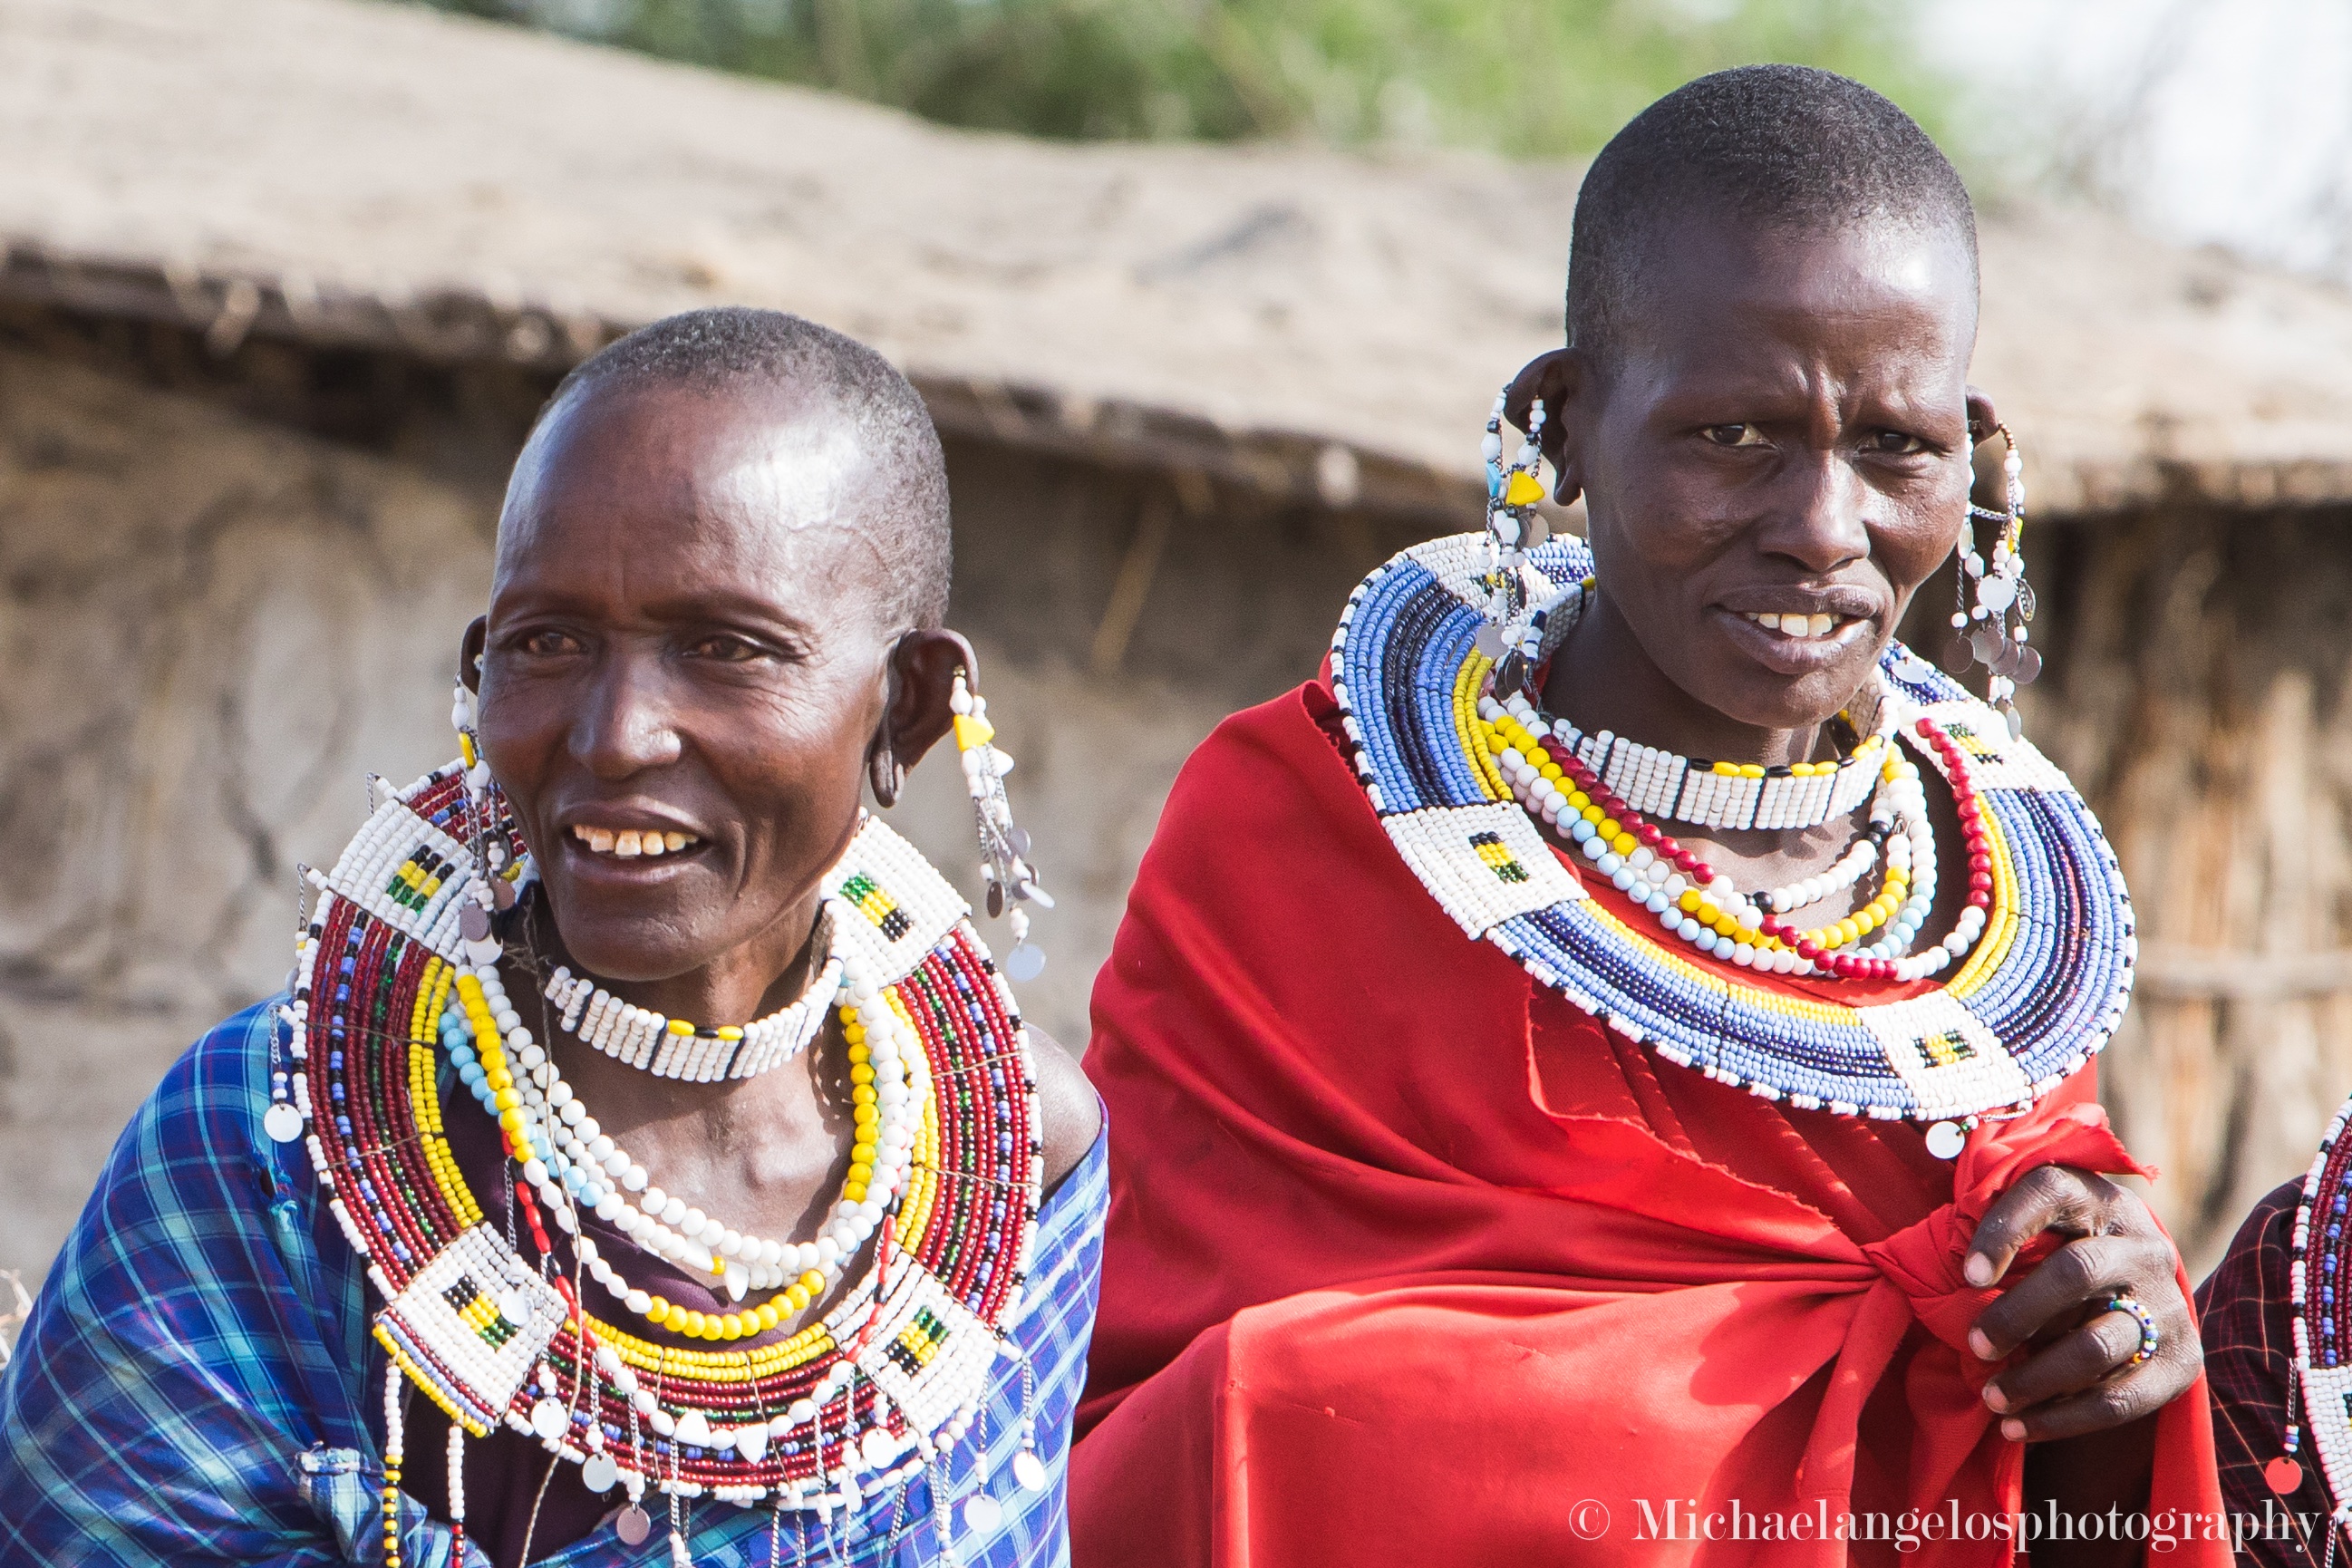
(181,1392)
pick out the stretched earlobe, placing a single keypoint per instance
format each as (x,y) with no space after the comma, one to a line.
(885,775)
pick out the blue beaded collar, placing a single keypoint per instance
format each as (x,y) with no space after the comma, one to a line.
(2042,991)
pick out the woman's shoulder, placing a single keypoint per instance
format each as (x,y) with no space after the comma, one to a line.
(215,1094)
(1068,1108)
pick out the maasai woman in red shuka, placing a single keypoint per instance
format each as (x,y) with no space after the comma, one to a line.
(1600,1075)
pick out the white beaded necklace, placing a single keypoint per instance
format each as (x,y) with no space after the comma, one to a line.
(575,1162)
(672,1047)
(1733,795)
(1719,919)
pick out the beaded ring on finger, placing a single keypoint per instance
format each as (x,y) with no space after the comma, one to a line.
(2125,1302)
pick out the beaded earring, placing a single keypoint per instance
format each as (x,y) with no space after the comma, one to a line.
(2003,598)
(498,891)
(1003,848)
(1521,599)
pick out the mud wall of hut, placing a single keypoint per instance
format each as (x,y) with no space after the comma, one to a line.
(2197,693)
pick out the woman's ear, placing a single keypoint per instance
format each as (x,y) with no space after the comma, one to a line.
(1984,422)
(1556,380)
(915,713)
(470,653)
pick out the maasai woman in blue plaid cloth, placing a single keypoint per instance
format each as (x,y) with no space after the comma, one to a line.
(722,572)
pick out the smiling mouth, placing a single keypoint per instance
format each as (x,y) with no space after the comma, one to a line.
(630,844)
(1798,626)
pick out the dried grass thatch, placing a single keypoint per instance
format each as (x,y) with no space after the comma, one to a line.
(1338,323)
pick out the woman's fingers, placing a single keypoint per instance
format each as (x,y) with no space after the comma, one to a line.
(2071,1364)
(2054,1293)
(2045,1197)
(2115,1400)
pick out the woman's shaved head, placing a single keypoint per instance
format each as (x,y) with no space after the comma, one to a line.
(896,475)
(1777,148)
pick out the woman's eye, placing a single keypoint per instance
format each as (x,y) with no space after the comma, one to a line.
(1894,444)
(727,649)
(1734,435)
(546,643)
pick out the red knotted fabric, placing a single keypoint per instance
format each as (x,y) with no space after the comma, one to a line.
(1411,1262)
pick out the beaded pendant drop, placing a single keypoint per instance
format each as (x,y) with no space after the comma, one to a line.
(2040,986)
(864,1398)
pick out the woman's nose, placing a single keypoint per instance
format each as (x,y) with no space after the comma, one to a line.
(625,724)
(1822,521)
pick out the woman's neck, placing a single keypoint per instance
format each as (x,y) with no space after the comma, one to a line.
(1602,679)
(749,981)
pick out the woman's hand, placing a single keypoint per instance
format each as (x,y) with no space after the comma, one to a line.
(2080,1377)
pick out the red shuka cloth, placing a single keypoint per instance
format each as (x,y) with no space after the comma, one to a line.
(1409,1259)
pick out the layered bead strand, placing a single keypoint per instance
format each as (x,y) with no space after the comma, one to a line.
(1702,906)
(575,1160)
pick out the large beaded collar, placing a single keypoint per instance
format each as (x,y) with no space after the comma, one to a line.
(861,1399)
(2044,987)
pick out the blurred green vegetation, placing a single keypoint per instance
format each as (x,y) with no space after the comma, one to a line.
(1528,78)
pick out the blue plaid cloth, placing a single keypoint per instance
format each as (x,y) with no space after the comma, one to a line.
(198,1383)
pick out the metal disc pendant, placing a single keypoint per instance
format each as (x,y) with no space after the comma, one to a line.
(598,1472)
(2004,661)
(1490,641)
(473,922)
(1029,1470)
(1025,962)
(633,1524)
(1511,673)
(549,1420)
(982,1514)
(283,1122)
(1985,643)
(502,892)
(2029,665)
(1945,1140)
(1957,656)
(995,900)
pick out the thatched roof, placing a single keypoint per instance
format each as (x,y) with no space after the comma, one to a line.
(362,173)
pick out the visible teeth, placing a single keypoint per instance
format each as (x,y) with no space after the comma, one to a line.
(1794,625)
(630,843)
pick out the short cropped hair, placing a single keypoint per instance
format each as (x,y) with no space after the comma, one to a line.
(1778,146)
(907,502)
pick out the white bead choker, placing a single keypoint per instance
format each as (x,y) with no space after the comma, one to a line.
(672,1047)
(1734,796)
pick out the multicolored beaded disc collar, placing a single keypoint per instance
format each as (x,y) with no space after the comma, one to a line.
(2040,975)
(397,968)
(2322,1261)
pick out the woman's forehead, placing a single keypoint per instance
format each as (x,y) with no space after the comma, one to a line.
(1718,291)
(669,485)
